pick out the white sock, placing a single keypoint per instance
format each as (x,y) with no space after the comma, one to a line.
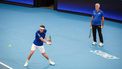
(49,60)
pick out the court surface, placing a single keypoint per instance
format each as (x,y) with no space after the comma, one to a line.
(71,48)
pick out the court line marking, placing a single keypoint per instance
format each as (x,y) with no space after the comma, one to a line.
(104,54)
(6,65)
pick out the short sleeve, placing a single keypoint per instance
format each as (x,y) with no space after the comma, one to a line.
(38,35)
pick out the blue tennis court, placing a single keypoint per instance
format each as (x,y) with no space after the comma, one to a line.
(71,48)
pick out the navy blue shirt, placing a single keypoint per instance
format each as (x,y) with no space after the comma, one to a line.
(97,17)
(39,35)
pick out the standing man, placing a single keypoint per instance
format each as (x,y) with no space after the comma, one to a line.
(97,24)
(38,43)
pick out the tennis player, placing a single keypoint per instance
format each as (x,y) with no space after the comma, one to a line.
(97,24)
(38,44)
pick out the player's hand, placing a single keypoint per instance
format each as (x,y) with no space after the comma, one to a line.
(48,43)
(90,27)
(102,27)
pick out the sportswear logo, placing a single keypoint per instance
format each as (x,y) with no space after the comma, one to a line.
(99,13)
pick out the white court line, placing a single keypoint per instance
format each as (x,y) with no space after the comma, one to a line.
(104,54)
(6,65)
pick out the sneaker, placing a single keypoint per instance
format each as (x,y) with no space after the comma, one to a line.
(51,62)
(101,44)
(26,64)
(94,43)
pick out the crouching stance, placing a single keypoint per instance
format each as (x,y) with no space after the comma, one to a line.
(38,44)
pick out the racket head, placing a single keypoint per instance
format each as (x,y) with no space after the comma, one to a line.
(49,38)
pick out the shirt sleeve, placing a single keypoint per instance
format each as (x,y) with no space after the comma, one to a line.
(38,35)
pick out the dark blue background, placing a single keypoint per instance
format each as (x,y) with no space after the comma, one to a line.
(111,8)
(31,2)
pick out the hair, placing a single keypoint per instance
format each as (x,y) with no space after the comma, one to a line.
(42,26)
(97,4)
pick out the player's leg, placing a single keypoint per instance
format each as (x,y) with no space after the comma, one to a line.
(100,36)
(45,55)
(42,50)
(94,34)
(33,48)
(31,53)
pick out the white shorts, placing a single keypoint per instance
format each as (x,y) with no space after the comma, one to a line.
(41,48)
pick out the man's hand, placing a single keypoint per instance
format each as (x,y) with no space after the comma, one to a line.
(102,27)
(48,43)
(90,27)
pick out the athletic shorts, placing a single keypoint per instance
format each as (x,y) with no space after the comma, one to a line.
(41,48)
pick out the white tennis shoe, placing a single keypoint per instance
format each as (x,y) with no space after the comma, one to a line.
(94,43)
(26,64)
(101,44)
(51,62)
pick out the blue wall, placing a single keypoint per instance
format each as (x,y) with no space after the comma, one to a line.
(111,8)
(31,2)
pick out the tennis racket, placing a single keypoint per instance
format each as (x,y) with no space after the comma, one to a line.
(49,38)
(90,33)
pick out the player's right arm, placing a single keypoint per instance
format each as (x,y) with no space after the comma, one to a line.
(43,40)
(91,22)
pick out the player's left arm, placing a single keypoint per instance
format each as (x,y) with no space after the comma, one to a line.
(102,22)
(91,22)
